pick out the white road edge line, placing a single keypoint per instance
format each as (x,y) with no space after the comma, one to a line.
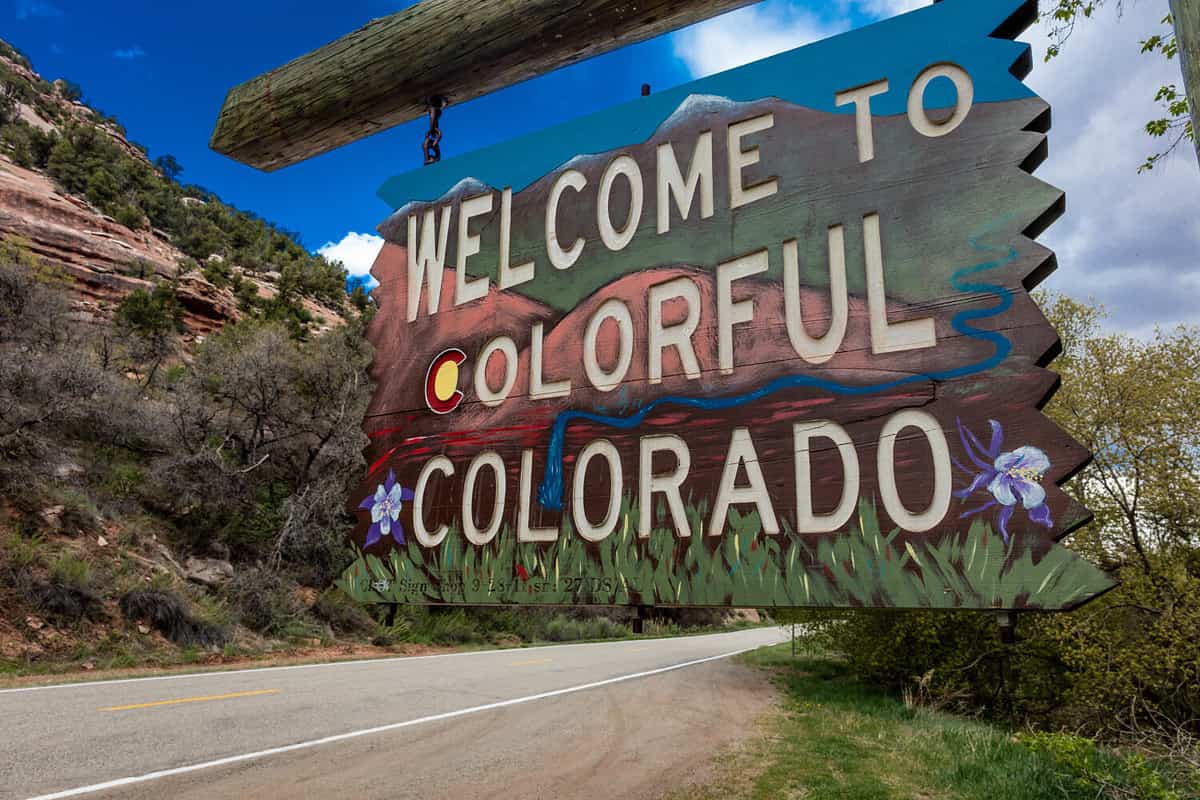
(357,662)
(274,751)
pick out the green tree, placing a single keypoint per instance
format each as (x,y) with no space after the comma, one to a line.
(150,322)
(69,90)
(28,146)
(8,103)
(167,164)
(268,435)
(102,188)
(1133,654)
(1134,404)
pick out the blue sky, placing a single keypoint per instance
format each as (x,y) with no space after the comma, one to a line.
(163,69)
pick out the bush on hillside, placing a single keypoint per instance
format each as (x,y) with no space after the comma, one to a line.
(312,541)
(562,628)
(69,594)
(168,614)
(267,435)
(8,103)
(264,601)
(69,90)
(343,615)
(47,379)
(27,146)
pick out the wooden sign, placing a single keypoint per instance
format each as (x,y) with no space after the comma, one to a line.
(761,340)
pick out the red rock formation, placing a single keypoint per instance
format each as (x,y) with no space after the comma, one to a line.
(105,259)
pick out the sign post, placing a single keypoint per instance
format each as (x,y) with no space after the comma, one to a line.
(764,339)
(1186,16)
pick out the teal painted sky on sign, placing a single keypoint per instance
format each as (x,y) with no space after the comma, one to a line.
(898,49)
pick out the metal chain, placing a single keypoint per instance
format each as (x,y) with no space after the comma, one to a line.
(433,139)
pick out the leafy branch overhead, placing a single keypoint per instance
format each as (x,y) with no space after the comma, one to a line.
(1175,124)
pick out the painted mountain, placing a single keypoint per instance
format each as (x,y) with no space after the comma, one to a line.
(943,199)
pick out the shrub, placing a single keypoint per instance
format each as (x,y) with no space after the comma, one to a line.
(218,273)
(165,612)
(1084,765)
(123,480)
(151,313)
(8,103)
(955,657)
(71,570)
(69,595)
(69,90)
(23,552)
(1135,649)
(398,632)
(562,628)
(130,216)
(28,146)
(312,539)
(342,614)
(435,625)
(451,626)
(263,601)
(64,603)
(149,322)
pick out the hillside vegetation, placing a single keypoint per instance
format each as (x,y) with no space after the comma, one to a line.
(159,491)
(44,127)
(173,486)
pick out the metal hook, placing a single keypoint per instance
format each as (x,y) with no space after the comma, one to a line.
(432,148)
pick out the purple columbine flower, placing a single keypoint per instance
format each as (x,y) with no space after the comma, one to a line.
(1011,478)
(385,507)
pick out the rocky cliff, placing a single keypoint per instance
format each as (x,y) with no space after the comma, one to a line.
(106,259)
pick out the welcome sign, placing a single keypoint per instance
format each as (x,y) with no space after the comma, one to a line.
(761,340)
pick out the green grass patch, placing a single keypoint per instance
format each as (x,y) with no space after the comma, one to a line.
(836,738)
(23,552)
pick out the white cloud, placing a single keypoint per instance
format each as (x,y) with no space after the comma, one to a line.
(356,251)
(882,9)
(762,30)
(750,34)
(1127,240)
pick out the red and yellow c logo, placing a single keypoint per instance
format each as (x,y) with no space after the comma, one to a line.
(441,381)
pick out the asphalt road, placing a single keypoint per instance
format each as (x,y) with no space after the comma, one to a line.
(628,719)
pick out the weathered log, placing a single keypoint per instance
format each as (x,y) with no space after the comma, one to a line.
(384,73)
(1187,32)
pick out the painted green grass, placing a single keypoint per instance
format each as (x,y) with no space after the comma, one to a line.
(834,738)
(744,567)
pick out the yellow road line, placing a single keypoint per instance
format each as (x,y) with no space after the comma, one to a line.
(531,663)
(192,700)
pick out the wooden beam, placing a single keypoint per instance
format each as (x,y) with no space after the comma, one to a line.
(1187,34)
(383,74)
